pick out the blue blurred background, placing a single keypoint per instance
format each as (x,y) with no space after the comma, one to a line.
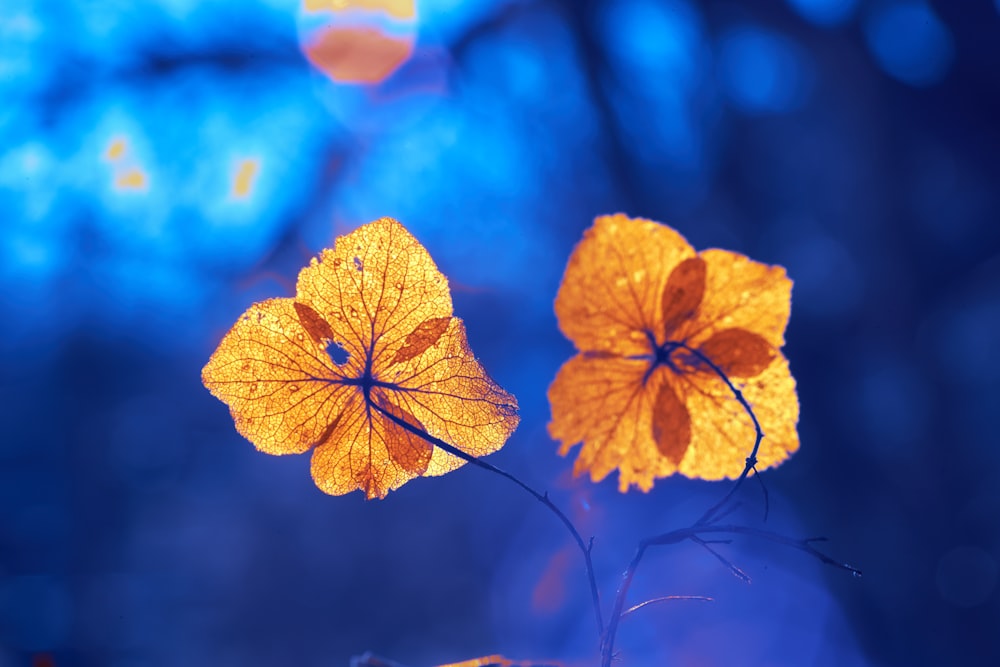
(163,164)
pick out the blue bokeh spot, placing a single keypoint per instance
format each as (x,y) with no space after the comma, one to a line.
(762,71)
(910,43)
(657,52)
(825,13)
(662,38)
(446,20)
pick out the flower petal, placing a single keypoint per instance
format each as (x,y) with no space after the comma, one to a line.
(740,293)
(601,401)
(671,424)
(738,352)
(374,288)
(314,324)
(449,392)
(412,453)
(683,293)
(611,292)
(278,381)
(722,433)
(370,452)
(426,334)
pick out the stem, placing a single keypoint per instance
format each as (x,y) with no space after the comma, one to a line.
(692,533)
(751,460)
(608,640)
(585,547)
(665,598)
(706,523)
(675,536)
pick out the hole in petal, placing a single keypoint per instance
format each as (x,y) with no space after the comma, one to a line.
(337,353)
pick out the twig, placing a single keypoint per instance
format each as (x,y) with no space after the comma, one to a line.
(692,533)
(708,523)
(585,547)
(751,460)
(737,572)
(665,598)
(608,640)
(804,544)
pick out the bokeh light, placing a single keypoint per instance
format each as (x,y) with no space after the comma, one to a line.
(401,9)
(909,41)
(664,38)
(358,41)
(826,13)
(357,55)
(763,71)
(657,57)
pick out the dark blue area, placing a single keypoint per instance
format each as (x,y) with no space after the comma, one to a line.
(853,141)
(337,353)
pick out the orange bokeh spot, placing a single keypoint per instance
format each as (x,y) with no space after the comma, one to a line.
(244,179)
(486,661)
(401,9)
(549,593)
(500,661)
(357,55)
(131,179)
(116,149)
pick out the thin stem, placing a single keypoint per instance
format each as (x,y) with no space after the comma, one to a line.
(751,460)
(708,523)
(666,598)
(608,641)
(543,498)
(737,572)
(692,533)
(805,544)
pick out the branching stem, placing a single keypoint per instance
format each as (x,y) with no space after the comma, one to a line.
(708,523)
(692,533)
(751,460)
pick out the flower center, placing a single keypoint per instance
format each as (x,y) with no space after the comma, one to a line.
(660,354)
